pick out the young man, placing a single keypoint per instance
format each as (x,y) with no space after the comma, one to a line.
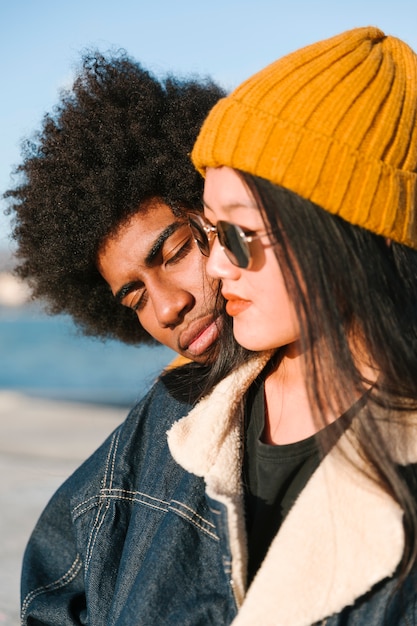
(102,200)
(101,225)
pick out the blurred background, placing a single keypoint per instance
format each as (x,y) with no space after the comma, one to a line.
(61,393)
(46,357)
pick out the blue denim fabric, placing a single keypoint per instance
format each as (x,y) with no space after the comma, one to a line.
(130,537)
(384,605)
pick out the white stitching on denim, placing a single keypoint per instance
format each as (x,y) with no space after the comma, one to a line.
(139,501)
(114,491)
(60,582)
(98,522)
(104,506)
(111,458)
(93,532)
(195,523)
(94,502)
(194,513)
(95,498)
(215,511)
(132,496)
(113,464)
(109,493)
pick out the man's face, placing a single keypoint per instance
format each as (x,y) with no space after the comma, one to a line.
(153,266)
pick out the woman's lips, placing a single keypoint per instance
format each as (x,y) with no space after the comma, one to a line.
(235,305)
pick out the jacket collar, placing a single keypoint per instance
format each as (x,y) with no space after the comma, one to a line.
(343,534)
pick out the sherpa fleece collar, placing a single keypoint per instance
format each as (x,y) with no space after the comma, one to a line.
(343,534)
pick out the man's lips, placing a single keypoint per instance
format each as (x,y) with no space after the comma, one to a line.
(235,304)
(200,335)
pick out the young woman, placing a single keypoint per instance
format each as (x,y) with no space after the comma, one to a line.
(308,451)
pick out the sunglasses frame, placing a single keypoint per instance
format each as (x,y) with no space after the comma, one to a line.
(204,233)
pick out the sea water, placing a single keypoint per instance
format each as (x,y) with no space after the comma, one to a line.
(46,356)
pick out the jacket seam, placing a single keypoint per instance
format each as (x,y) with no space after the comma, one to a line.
(77,511)
(195,522)
(126,494)
(195,514)
(64,580)
(111,460)
(98,522)
(138,497)
(131,498)
(104,506)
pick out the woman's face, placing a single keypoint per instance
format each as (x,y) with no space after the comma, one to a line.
(257,298)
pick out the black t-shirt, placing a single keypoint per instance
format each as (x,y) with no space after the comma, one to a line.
(273,476)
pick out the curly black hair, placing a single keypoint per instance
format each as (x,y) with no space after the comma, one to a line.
(118,137)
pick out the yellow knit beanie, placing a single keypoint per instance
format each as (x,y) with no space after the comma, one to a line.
(335,122)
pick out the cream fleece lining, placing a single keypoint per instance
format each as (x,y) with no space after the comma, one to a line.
(343,534)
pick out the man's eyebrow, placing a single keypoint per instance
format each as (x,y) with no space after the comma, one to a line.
(149,259)
(127,288)
(160,240)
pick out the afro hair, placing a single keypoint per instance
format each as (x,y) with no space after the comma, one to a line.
(119,137)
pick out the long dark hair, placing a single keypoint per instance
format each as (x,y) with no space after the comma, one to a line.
(348,282)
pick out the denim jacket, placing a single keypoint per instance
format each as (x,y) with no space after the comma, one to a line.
(146,534)
(130,537)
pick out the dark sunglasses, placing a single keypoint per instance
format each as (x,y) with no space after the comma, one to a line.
(232,239)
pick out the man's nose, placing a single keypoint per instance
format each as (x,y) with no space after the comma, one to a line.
(171,304)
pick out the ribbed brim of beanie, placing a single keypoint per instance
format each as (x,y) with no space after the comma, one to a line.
(335,122)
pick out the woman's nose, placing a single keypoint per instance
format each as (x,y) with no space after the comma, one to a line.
(218,265)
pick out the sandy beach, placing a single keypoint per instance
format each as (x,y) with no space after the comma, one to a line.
(41,443)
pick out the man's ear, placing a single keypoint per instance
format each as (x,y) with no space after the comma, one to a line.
(388,241)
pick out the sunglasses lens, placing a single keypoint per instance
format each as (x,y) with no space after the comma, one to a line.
(200,236)
(232,239)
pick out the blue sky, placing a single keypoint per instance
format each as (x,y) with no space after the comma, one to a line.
(41,42)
